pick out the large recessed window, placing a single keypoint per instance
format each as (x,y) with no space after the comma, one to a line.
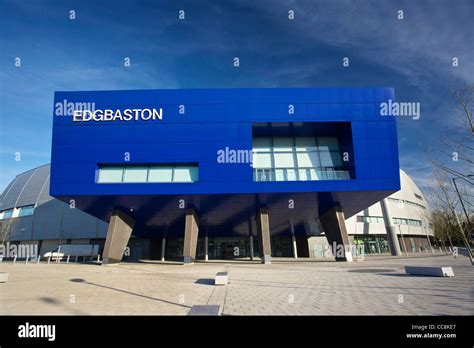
(297,159)
(165,173)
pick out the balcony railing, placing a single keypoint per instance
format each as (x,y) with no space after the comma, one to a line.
(299,174)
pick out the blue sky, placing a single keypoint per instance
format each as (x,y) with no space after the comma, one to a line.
(412,55)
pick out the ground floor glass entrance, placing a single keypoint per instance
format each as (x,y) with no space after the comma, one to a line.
(372,244)
(222,248)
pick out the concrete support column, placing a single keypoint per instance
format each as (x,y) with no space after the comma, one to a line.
(191,231)
(390,228)
(293,240)
(251,248)
(118,233)
(163,248)
(263,229)
(206,248)
(334,226)
(251,229)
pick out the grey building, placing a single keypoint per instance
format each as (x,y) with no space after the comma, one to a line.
(29,215)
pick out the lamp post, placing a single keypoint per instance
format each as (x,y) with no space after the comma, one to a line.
(460,200)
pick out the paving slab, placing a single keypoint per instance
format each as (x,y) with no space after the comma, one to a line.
(375,286)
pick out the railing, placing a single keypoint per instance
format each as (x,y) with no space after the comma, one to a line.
(299,174)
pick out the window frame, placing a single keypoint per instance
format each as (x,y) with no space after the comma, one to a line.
(193,169)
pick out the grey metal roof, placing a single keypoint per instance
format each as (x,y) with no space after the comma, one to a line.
(13,191)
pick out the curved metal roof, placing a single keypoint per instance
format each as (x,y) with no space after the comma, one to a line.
(27,188)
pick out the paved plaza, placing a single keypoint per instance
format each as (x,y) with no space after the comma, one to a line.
(376,286)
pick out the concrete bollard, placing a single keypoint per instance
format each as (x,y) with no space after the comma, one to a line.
(221,278)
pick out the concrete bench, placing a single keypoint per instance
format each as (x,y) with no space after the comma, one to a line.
(430,271)
(221,278)
(3,277)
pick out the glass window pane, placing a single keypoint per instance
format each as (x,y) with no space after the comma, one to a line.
(25,211)
(305,144)
(262,160)
(185,174)
(263,175)
(336,158)
(110,175)
(327,174)
(328,144)
(314,174)
(135,174)
(262,144)
(282,144)
(291,175)
(284,160)
(160,174)
(326,160)
(307,159)
(304,174)
(279,175)
(194,173)
(330,159)
(7,213)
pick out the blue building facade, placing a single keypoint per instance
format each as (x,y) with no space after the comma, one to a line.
(224,158)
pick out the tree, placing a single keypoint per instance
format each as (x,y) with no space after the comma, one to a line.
(454,159)
(449,224)
(455,154)
(6,228)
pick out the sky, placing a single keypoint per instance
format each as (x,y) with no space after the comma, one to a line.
(413,55)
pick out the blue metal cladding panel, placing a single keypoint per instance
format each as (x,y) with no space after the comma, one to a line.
(215,119)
